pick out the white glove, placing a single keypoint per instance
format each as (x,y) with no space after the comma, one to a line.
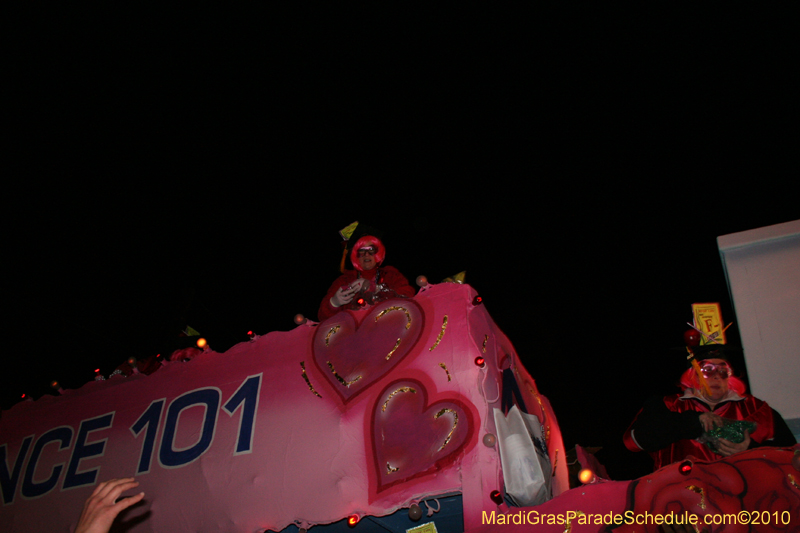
(344,295)
(359,283)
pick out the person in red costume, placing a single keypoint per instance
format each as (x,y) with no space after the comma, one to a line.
(667,427)
(369,283)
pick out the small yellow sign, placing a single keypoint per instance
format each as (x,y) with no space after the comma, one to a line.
(430,527)
(347,232)
(458,278)
(708,319)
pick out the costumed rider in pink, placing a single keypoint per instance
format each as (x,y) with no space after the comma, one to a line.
(668,427)
(368,284)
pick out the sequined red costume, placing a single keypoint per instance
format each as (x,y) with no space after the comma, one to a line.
(666,427)
(390,277)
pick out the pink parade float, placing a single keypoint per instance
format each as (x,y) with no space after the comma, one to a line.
(380,419)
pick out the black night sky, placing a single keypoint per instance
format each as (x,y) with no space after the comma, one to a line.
(196,170)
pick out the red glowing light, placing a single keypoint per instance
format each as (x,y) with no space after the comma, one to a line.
(96,370)
(477,300)
(201,343)
(685,467)
(691,337)
(496,497)
(23,395)
(352,520)
(480,361)
(361,302)
(586,475)
(250,332)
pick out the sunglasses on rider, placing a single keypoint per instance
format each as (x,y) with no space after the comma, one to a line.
(710,369)
(371,250)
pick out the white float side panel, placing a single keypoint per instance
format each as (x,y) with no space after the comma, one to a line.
(762,267)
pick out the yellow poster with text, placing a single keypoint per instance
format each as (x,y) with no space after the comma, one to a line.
(708,319)
(430,527)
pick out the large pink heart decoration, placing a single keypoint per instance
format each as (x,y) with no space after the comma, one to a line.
(412,438)
(352,356)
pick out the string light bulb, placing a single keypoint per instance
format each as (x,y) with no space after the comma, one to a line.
(422,281)
(477,300)
(586,476)
(480,361)
(352,520)
(299,319)
(415,512)
(691,337)
(496,496)
(685,468)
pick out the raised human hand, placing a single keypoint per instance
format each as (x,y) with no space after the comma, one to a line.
(103,506)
